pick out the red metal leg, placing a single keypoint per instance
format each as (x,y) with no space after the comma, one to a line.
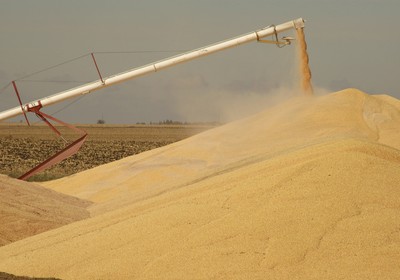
(98,70)
(20,102)
(68,151)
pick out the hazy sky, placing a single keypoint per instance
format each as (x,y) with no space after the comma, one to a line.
(351,43)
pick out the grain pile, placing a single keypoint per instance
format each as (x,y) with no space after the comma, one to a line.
(28,209)
(307,190)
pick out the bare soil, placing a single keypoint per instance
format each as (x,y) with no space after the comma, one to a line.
(23,147)
(6,276)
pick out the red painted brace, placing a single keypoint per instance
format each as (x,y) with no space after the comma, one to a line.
(20,102)
(68,151)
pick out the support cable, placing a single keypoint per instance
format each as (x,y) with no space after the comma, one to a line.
(63,108)
(23,78)
(52,67)
(68,105)
(144,51)
(48,81)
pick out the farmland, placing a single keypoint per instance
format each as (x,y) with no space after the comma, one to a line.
(23,147)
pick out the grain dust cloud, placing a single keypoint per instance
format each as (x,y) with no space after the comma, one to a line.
(305,72)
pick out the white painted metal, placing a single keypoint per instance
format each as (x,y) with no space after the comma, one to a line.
(154,67)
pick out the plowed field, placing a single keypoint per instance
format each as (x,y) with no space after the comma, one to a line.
(23,147)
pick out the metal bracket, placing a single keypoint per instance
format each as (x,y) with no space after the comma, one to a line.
(280,44)
(299,23)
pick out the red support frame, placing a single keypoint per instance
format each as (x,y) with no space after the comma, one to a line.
(68,151)
(97,68)
(20,102)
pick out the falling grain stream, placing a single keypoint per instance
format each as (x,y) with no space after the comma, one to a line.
(305,72)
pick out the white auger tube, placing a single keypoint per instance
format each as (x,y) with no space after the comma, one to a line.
(154,67)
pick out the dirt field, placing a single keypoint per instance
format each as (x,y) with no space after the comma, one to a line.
(23,147)
(6,276)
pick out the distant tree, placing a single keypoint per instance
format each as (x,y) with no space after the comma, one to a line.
(167,121)
(101,121)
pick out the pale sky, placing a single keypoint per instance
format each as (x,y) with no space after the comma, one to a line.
(351,43)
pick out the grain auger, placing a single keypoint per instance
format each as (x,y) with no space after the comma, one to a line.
(103,82)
